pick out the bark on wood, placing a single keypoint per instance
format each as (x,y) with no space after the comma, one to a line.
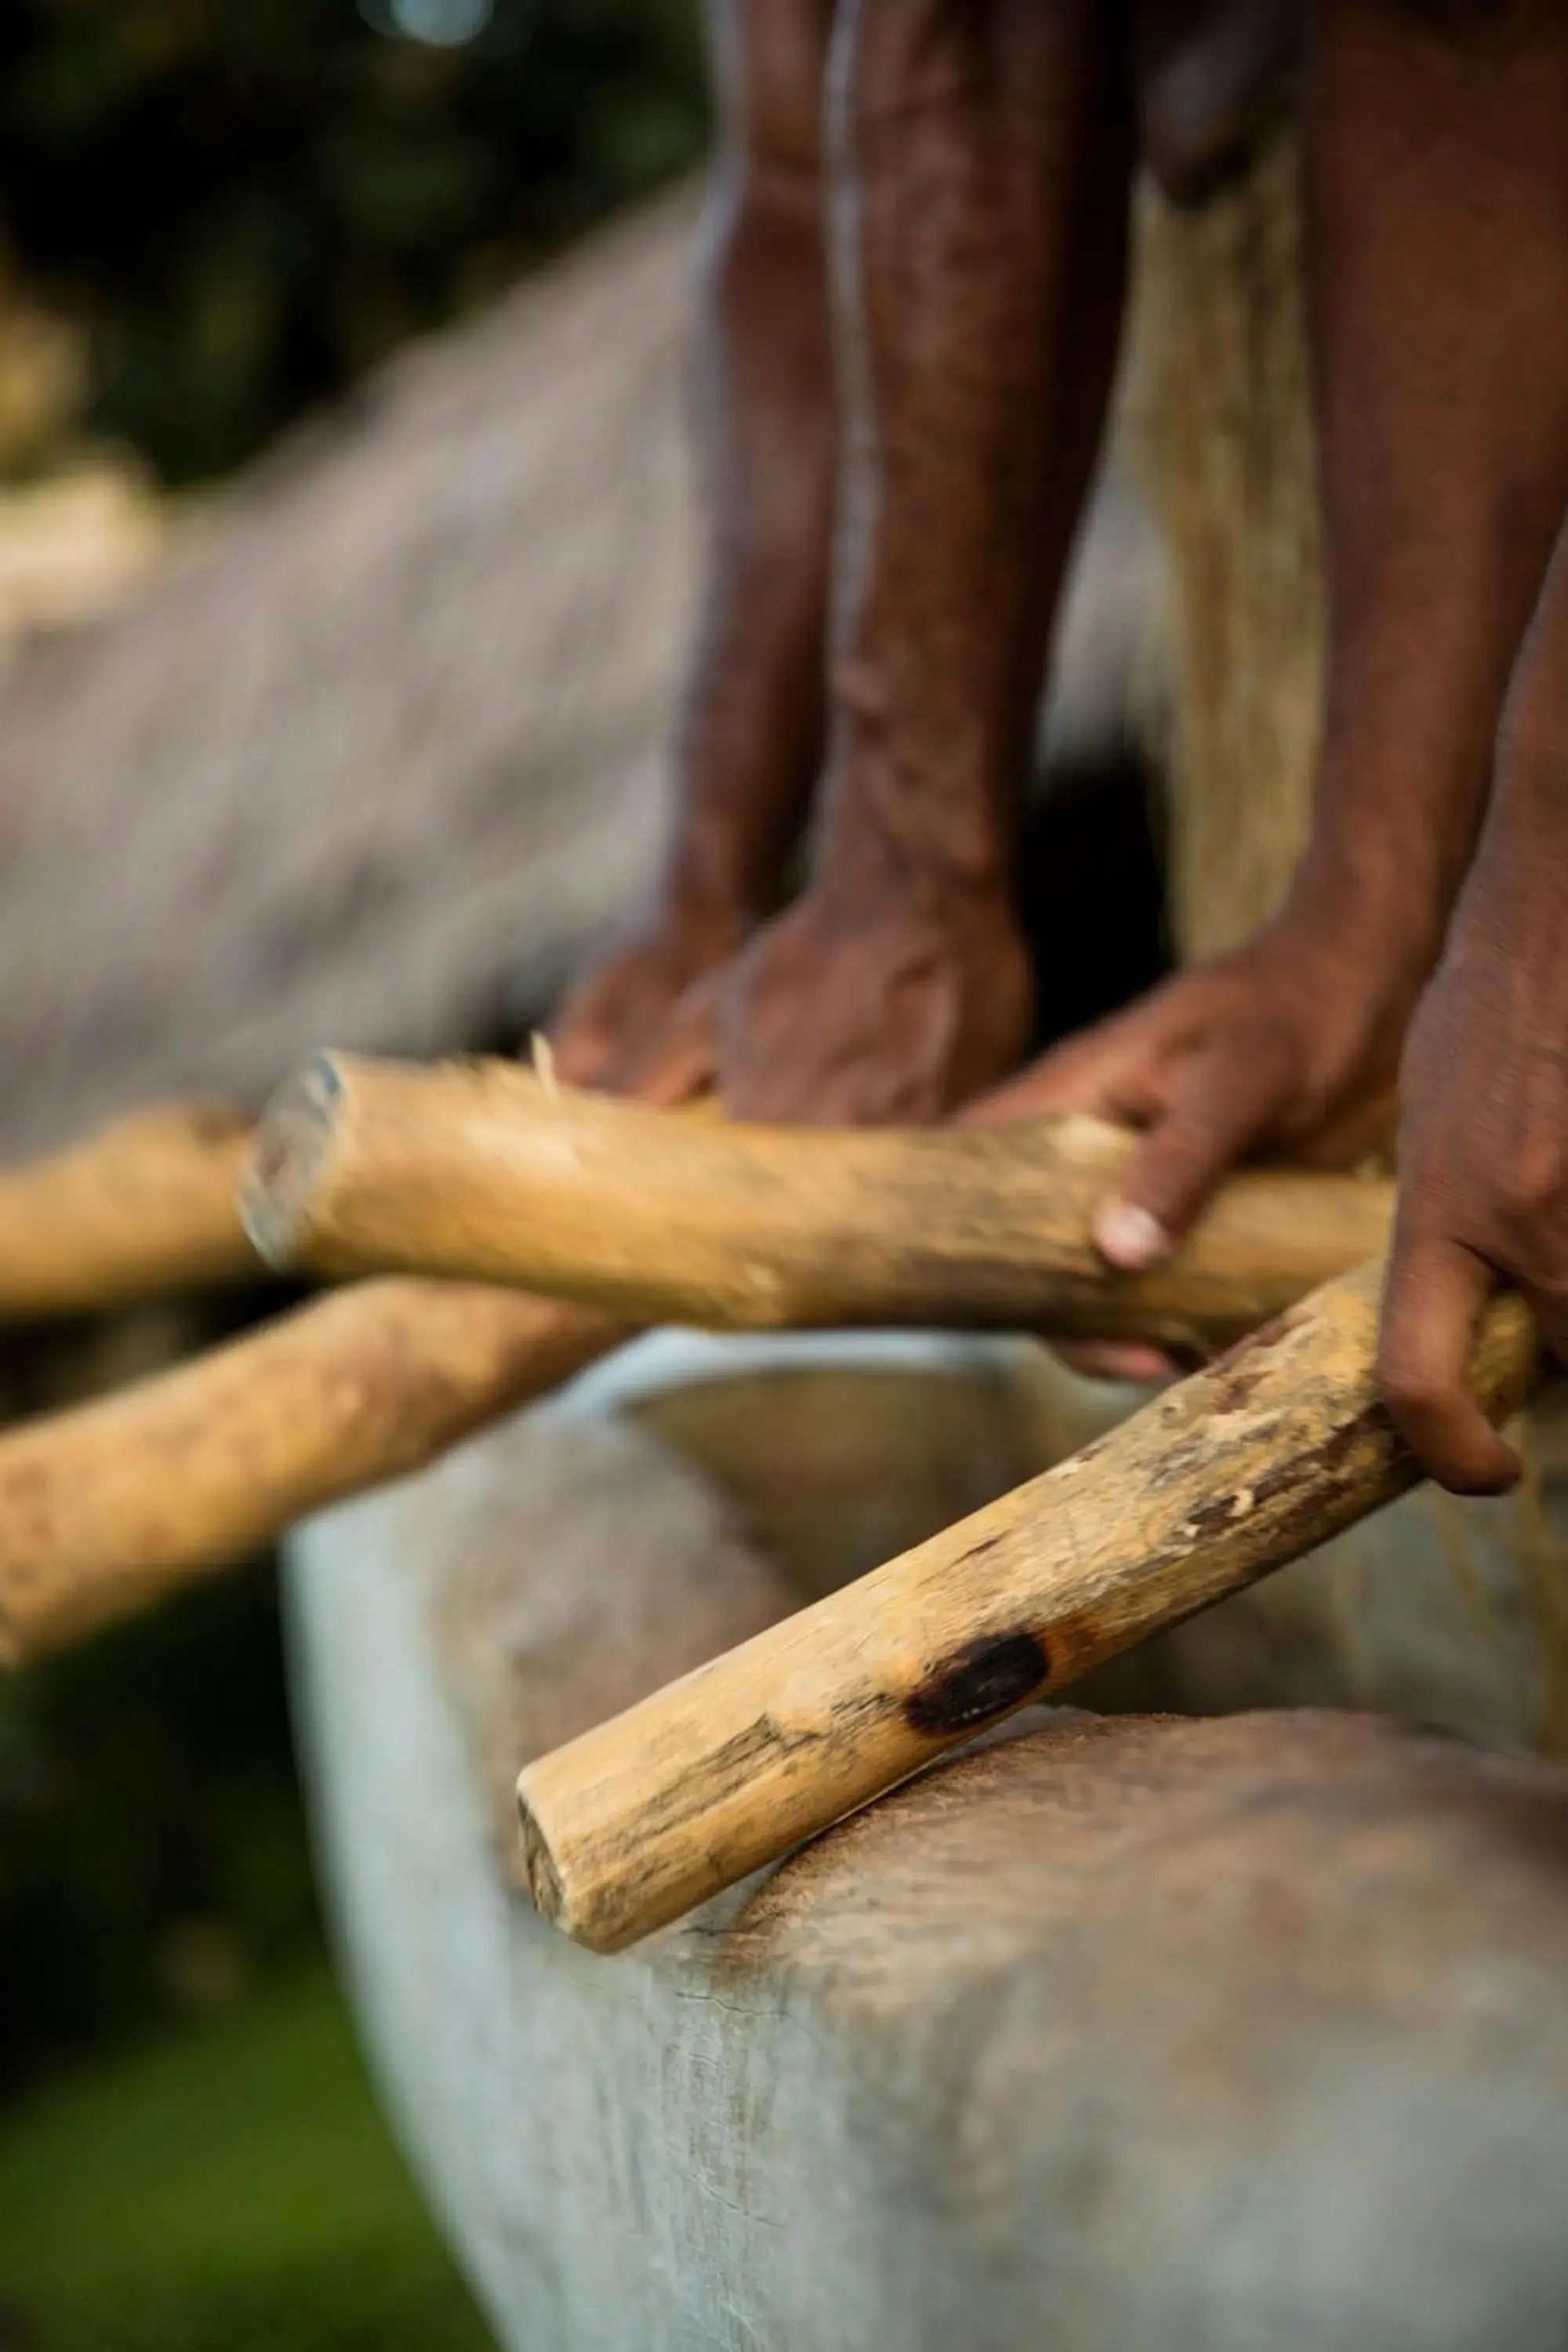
(143,1208)
(481,1171)
(1279,1445)
(105,1509)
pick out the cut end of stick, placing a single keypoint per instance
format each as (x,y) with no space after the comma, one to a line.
(292,1142)
(544,1878)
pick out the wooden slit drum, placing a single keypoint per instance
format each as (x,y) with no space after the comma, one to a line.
(1257,1459)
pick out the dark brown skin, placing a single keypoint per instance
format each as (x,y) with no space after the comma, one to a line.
(751,736)
(1439,238)
(1484,1141)
(983,152)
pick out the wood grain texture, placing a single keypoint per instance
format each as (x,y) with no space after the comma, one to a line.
(108,1507)
(1104,2036)
(140,1208)
(1279,1445)
(480,1170)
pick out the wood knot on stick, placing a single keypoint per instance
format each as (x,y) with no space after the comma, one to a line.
(984,1680)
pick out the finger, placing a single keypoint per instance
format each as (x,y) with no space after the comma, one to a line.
(1127,1361)
(1435,1293)
(681,1060)
(581,1058)
(1111,1071)
(1363,1132)
(1038,1092)
(581,1043)
(1209,1126)
(603,1024)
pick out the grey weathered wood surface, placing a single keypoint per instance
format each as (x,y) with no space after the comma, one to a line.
(1249,1464)
(1129,2033)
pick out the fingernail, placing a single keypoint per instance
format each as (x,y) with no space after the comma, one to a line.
(1129,1236)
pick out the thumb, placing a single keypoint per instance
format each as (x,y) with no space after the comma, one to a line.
(1174,1170)
(679,1063)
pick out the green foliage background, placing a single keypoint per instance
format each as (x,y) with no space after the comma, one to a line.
(251,200)
(233,2191)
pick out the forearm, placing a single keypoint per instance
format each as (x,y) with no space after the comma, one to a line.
(1437,235)
(751,730)
(1483,1142)
(981,151)
(1519,884)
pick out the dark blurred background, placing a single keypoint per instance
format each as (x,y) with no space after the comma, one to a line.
(215,214)
(246,202)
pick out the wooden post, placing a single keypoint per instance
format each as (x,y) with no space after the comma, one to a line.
(106,1509)
(483,1172)
(143,1207)
(1251,1462)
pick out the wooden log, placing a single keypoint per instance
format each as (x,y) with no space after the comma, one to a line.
(107,1508)
(1140,2034)
(142,1208)
(1279,1445)
(481,1171)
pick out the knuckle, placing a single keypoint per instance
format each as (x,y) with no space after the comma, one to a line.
(1531,1196)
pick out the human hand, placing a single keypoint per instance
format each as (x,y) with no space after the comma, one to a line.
(859,1008)
(640,1021)
(1286,1048)
(1483,1154)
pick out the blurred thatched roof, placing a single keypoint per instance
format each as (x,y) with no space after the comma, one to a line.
(365,764)
(375,758)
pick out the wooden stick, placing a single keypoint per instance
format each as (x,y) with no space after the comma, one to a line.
(142,1208)
(1277,1447)
(481,1171)
(106,1509)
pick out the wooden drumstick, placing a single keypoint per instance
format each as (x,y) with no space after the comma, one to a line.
(481,1171)
(139,1208)
(107,1508)
(1278,1446)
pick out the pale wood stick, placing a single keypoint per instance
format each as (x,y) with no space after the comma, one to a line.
(1279,1445)
(106,1509)
(482,1171)
(142,1208)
